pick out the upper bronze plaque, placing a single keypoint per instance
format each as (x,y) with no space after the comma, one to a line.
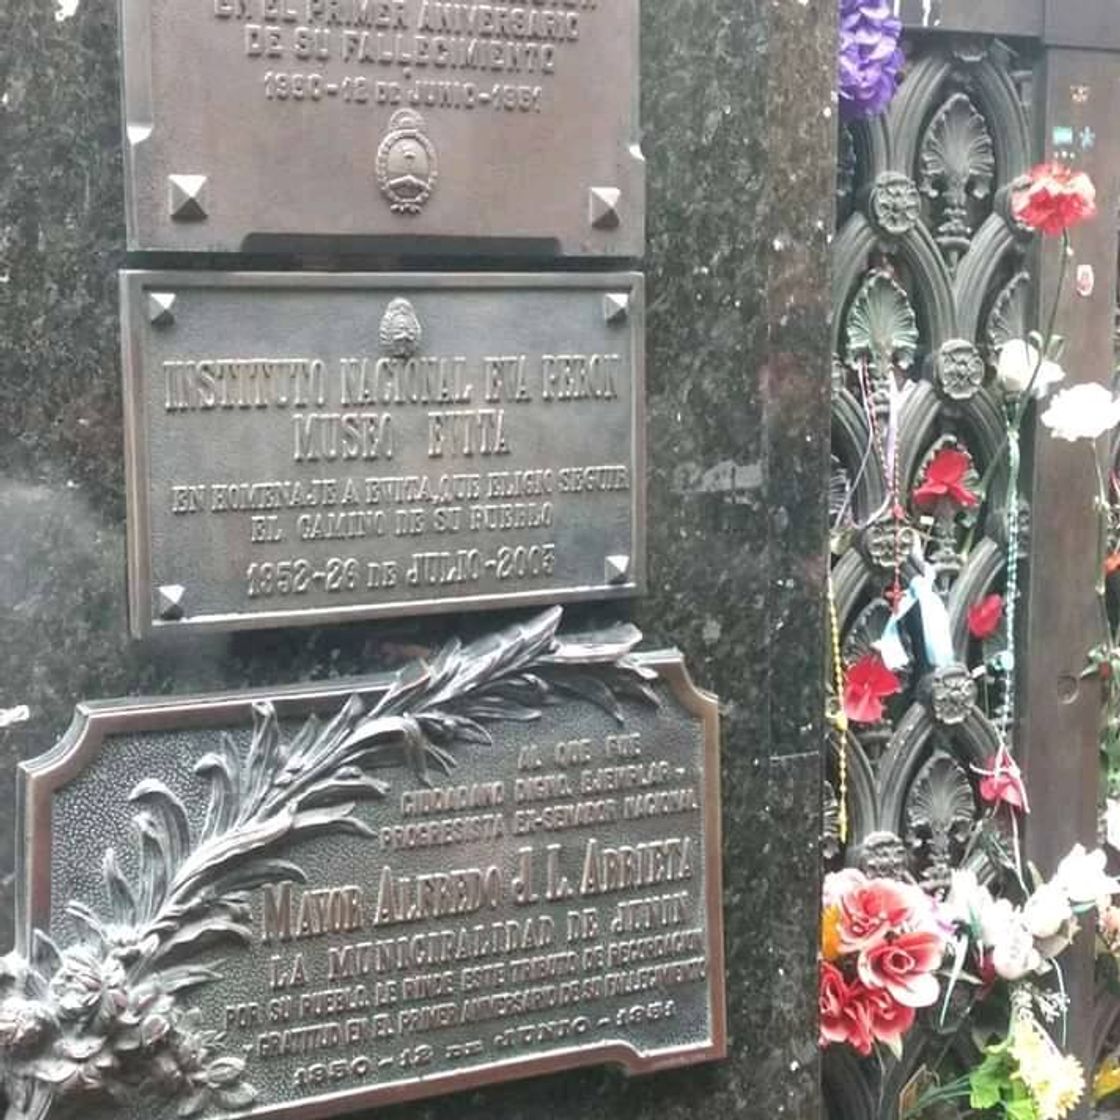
(250,123)
(309,448)
(299,905)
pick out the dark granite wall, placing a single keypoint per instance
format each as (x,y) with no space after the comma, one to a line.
(739,136)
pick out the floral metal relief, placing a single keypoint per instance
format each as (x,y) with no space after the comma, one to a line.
(882,332)
(109,1016)
(940,814)
(958,167)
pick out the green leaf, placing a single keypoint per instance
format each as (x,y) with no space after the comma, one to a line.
(990,1079)
(1020,1105)
(1024,1109)
(985,1093)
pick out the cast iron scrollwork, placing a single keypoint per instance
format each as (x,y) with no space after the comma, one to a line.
(895,206)
(960,369)
(921,309)
(940,815)
(1008,316)
(882,331)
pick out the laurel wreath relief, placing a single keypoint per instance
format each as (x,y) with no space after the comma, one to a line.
(108,1015)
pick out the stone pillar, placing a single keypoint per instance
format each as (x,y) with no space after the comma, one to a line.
(1061,712)
(739,134)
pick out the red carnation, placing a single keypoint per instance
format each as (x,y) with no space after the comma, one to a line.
(984,618)
(944,480)
(1054,198)
(868,683)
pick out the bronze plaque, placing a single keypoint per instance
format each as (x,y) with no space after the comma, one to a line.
(315,448)
(503,862)
(252,123)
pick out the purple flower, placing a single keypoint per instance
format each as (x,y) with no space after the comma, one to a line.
(870,59)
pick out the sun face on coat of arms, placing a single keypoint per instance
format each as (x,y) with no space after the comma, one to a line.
(401,331)
(406,163)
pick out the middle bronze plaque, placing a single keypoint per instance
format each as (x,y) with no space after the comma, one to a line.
(311,448)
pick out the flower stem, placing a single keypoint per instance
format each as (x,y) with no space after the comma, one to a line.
(1102,510)
(1015,419)
(1048,337)
(1102,542)
(954,1091)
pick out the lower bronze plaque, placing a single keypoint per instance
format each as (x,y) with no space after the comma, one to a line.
(316,448)
(502,862)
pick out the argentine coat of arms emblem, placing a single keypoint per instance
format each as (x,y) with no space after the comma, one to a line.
(406,163)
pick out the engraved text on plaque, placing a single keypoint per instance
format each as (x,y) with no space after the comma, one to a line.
(250,120)
(314,448)
(505,861)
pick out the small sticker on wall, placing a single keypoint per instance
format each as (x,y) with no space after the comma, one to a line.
(1086,280)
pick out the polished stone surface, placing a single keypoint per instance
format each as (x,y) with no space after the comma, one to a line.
(738,135)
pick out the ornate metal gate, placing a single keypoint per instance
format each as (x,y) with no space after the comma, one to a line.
(931,277)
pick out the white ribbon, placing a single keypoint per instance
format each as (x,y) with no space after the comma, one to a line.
(937,636)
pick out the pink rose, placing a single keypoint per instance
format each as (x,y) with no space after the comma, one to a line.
(843,1018)
(904,967)
(873,909)
(839,883)
(889,1019)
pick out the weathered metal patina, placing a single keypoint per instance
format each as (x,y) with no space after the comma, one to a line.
(383,120)
(503,861)
(306,448)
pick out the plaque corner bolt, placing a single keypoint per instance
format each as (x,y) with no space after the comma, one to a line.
(170,602)
(186,197)
(617,569)
(161,308)
(604,207)
(616,307)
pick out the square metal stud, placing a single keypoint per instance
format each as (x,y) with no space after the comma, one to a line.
(604,207)
(186,197)
(161,308)
(617,569)
(170,602)
(616,307)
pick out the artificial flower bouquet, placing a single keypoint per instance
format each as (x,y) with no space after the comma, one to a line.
(891,952)
(882,943)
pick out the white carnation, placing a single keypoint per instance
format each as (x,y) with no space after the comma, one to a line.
(1014,955)
(1018,361)
(1082,876)
(1083,412)
(1047,911)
